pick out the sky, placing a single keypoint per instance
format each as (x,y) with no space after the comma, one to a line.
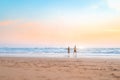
(85,23)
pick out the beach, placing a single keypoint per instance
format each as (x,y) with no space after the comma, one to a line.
(13,68)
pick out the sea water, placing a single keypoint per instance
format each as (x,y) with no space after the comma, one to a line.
(60,52)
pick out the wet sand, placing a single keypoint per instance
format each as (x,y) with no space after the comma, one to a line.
(59,69)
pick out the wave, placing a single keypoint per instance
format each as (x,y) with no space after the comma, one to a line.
(60,50)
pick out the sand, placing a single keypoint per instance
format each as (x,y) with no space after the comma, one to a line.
(59,69)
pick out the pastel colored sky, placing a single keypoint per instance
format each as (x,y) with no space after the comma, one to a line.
(86,23)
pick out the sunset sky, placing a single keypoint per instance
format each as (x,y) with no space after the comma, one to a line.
(85,23)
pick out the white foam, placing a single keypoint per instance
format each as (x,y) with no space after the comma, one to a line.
(61,55)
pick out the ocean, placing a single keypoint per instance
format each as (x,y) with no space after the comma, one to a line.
(60,52)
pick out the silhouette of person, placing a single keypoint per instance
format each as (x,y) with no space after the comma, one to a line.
(75,49)
(68,50)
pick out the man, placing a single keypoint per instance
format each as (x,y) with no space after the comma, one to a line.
(68,50)
(75,49)
(75,52)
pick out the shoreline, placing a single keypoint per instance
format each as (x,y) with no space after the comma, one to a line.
(78,56)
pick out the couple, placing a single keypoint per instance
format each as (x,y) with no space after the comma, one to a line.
(75,49)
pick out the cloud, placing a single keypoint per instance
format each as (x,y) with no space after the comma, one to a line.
(114,4)
(8,22)
(113,30)
(94,7)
